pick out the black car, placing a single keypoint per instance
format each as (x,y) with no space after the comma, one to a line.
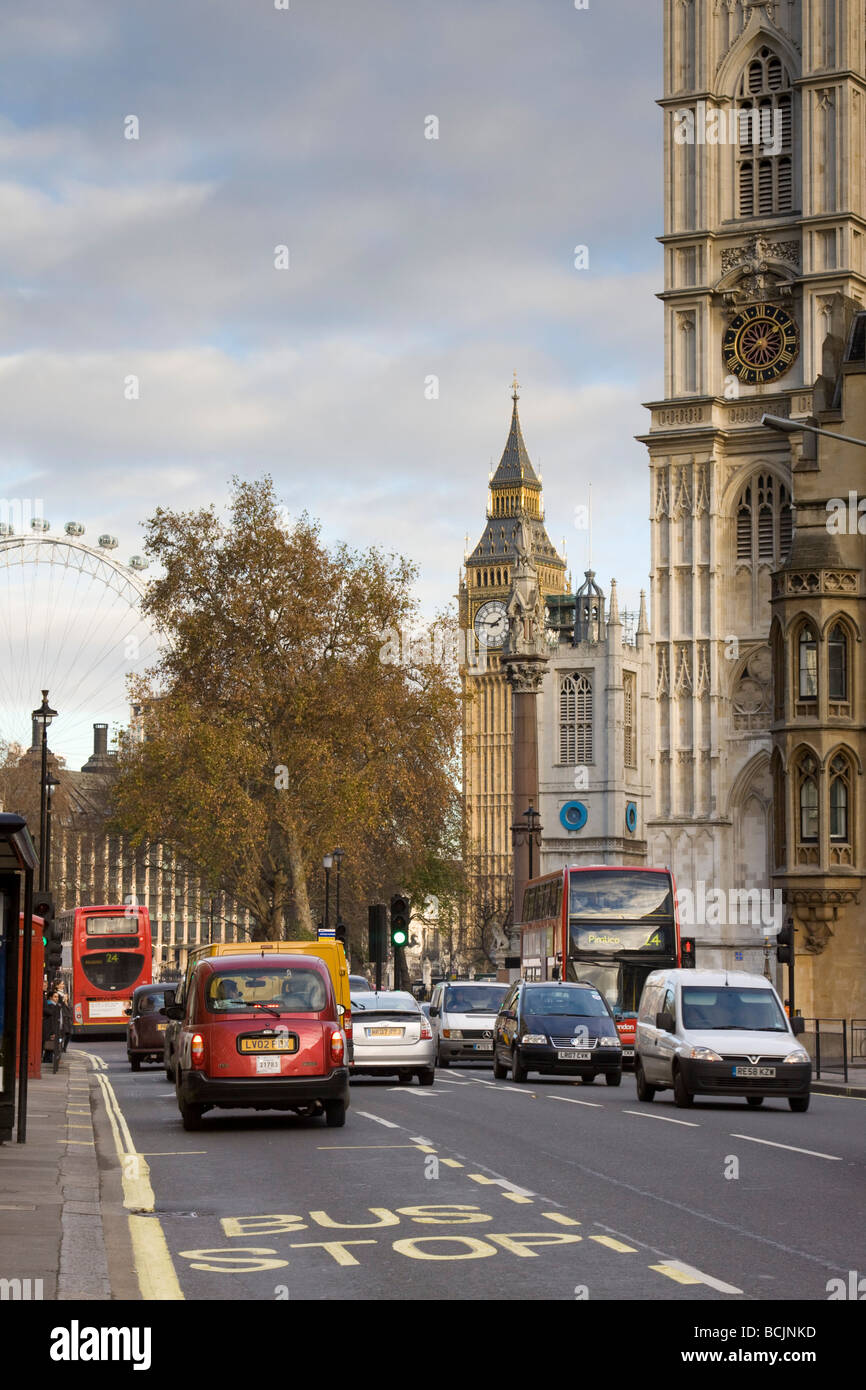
(559,1029)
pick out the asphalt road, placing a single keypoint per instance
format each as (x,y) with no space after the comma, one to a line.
(477,1189)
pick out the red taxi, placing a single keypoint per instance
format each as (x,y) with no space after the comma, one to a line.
(260,1032)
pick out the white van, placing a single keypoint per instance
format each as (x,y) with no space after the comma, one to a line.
(718,1033)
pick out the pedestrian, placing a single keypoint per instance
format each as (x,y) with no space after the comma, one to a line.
(51,1023)
(65,1018)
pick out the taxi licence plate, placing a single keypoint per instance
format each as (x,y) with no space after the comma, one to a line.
(628,1052)
(261,1044)
(384,1032)
(161,1027)
(268,1065)
(571,1055)
(759,1072)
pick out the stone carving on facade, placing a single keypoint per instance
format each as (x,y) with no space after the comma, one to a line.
(702,489)
(683,680)
(816,909)
(682,500)
(702,684)
(816,582)
(662,681)
(661,493)
(752,694)
(760,273)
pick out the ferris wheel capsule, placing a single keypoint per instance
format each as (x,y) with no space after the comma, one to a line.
(108,542)
(38,523)
(6,529)
(138,562)
(74,528)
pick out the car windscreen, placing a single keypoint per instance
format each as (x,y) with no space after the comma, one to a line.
(475,999)
(266,989)
(151,1003)
(575,1003)
(385,1003)
(732,1008)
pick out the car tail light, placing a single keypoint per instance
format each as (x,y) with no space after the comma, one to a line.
(426,1030)
(197,1050)
(337,1046)
(347,1023)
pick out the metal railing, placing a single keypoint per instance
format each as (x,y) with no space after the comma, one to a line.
(826,1041)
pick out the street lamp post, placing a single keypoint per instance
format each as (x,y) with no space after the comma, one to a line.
(327,865)
(530,826)
(51,785)
(338,855)
(44,715)
(783,426)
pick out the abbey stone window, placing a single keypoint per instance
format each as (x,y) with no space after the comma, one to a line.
(764,149)
(575,720)
(807,650)
(764,521)
(628,719)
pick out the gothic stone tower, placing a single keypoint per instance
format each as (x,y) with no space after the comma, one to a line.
(514,498)
(765,255)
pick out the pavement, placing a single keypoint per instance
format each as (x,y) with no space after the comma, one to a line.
(51,1226)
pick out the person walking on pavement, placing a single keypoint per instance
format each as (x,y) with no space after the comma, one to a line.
(51,1023)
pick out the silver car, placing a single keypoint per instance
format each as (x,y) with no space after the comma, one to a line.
(392,1035)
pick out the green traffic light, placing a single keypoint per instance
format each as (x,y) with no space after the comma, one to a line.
(399,938)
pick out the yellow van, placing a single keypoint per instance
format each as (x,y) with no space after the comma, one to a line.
(327,949)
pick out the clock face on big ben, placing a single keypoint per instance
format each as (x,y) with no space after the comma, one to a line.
(491,623)
(761,344)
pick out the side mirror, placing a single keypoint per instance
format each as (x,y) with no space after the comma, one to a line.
(617,1016)
(174,1011)
(665,1021)
(434,1012)
(798,1025)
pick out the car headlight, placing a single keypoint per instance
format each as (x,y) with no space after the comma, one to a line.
(534,1038)
(703,1054)
(608,1042)
(452,1033)
(799,1056)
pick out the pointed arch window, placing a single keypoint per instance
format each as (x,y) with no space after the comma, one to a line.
(629,689)
(764,521)
(764,115)
(575,720)
(837,663)
(808,798)
(840,789)
(807,659)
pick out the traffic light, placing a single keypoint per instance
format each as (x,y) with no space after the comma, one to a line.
(376,932)
(340,932)
(687,952)
(43,906)
(785,943)
(400,913)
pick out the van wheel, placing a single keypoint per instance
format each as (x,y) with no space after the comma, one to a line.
(134,1062)
(613,1078)
(442,1061)
(519,1072)
(405,1078)
(427,1076)
(683,1097)
(645,1091)
(798,1104)
(754,1100)
(499,1071)
(335,1113)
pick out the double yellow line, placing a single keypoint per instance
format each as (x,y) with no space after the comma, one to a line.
(153,1263)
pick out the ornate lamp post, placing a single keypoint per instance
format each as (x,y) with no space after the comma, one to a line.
(43,715)
(51,785)
(339,855)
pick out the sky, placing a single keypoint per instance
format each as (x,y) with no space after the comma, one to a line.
(146,268)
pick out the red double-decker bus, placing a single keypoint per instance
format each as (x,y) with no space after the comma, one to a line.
(107,952)
(609,924)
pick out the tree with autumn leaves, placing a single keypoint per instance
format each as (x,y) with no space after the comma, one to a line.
(273,729)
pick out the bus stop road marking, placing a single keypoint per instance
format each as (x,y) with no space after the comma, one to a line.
(645,1115)
(687,1274)
(813,1153)
(516,1197)
(451,1163)
(617,1245)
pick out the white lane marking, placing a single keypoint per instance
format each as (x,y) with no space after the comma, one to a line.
(501,1182)
(365,1114)
(518,1090)
(813,1153)
(420,1139)
(570,1100)
(698,1274)
(478,1082)
(449,1080)
(424,1093)
(645,1115)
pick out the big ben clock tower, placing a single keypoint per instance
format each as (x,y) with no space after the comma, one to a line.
(765,261)
(515,497)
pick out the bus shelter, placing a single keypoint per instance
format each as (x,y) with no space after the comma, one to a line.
(18,860)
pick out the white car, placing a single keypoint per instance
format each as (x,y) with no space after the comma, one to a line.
(463,1014)
(718,1033)
(392,1035)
